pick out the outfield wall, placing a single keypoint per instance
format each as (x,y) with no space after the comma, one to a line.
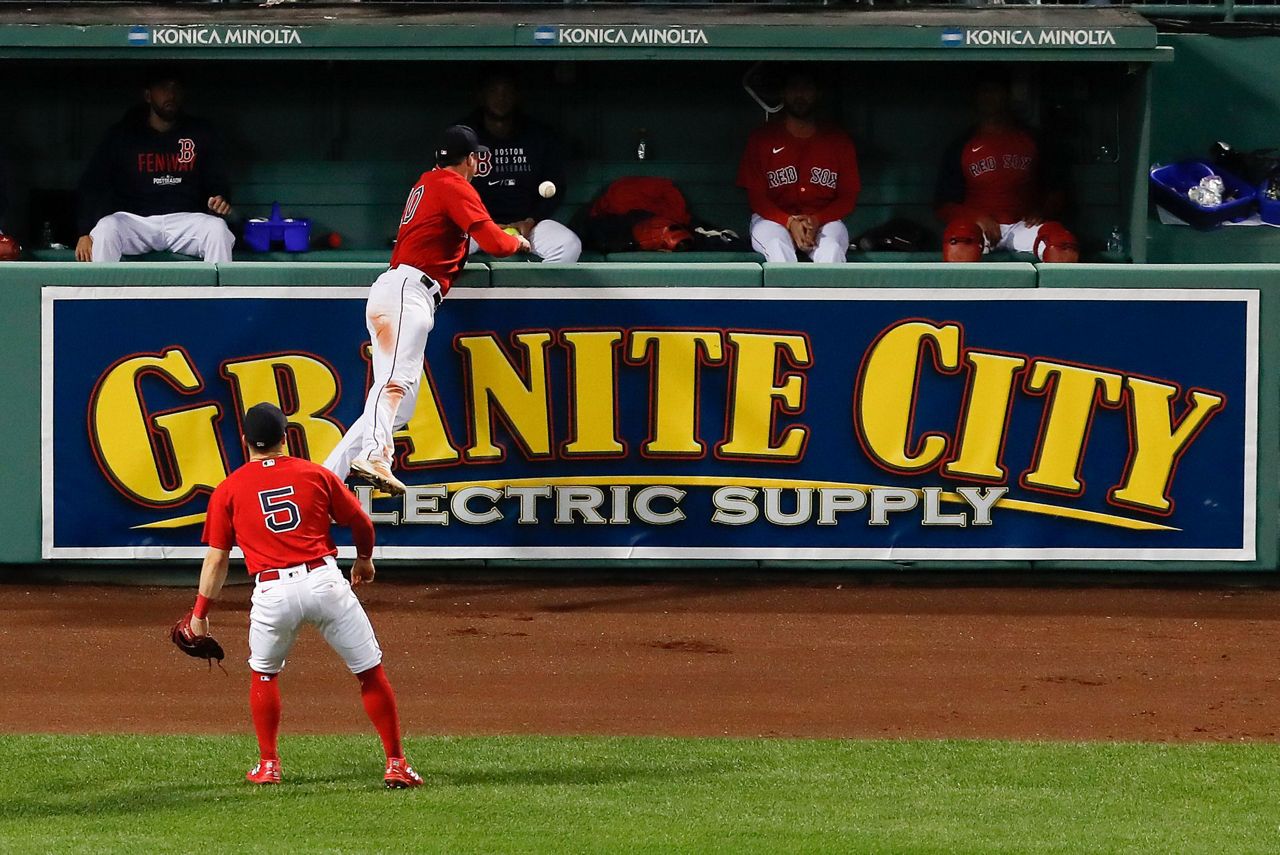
(830,410)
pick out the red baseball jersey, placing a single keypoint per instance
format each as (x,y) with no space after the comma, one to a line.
(277,510)
(442,212)
(1001,173)
(785,175)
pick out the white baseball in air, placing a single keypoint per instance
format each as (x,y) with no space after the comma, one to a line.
(546,189)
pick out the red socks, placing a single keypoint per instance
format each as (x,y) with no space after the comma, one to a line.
(380,705)
(375,691)
(264,701)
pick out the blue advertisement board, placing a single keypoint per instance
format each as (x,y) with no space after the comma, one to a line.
(682,423)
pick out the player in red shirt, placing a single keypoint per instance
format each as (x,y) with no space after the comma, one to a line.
(801,178)
(442,215)
(277,508)
(997,190)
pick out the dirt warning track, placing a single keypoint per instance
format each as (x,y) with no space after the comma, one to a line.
(679,659)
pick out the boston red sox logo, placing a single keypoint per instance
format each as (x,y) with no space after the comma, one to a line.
(186,150)
(486,164)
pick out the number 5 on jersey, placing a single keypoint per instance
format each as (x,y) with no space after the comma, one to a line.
(281,514)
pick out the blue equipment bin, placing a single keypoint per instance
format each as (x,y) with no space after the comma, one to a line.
(1170,183)
(1268,209)
(294,233)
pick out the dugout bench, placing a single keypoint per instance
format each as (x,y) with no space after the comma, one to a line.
(330,112)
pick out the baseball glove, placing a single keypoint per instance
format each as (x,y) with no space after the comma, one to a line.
(200,646)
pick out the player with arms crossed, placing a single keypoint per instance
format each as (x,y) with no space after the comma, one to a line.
(801,178)
(442,215)
(998,190)
(277,509)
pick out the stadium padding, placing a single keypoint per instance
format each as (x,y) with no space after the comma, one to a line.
(908,275)
(606,275)
(270,274)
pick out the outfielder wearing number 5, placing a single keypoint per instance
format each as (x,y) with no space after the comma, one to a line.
(277,510)
(443,213)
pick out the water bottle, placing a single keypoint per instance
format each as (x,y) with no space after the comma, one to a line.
(642,146)
(1115,242)
(46,235)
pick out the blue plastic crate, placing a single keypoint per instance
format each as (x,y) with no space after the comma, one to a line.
(1268,209)
(293,232)
(1170,183)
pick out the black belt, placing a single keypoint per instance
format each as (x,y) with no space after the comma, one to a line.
(438,294)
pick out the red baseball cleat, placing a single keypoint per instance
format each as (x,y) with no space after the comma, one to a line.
(266,772)
(400,774)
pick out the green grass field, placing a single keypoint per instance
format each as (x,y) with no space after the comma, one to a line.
(541,794)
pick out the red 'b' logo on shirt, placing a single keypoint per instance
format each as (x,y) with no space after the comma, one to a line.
(186,150)
(486,164)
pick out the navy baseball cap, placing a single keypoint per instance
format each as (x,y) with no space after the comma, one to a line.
(457,142)
(264,425)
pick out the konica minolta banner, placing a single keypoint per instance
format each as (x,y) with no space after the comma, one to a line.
(682,423)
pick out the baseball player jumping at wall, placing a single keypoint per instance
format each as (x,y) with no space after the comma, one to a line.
(443,213)
(801,178)
(277,509)
(998,190)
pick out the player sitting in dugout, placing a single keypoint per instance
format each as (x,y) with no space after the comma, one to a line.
(156,182)
(523,153)
(997,189)
(801,178)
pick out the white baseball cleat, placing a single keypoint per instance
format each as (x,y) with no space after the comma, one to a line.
(378,474)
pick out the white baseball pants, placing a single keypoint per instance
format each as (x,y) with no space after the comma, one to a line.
(322,598)
(202,235)
(775,244)
(1015,237)
(399,314)
(553,242)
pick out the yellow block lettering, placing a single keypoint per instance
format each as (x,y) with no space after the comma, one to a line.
(496,386)
(1067,418)
(1157,444)
(158,460)
(755,396)
(677,357)
(303,386)
(985,419)
(886,398)
(428,438)
(593,383)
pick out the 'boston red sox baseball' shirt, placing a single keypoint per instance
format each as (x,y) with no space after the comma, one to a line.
(277,510)
(996,172)
(785,175)
(142,171)
(442,211)
(509,175)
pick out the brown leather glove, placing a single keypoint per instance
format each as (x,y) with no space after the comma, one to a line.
(199,646)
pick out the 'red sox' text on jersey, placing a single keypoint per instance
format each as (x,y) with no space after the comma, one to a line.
(996,173)
(277,510)
(786,175)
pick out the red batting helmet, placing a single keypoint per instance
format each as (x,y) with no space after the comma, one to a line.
(1056,244)
(962,241)
(9,248)
(662,234)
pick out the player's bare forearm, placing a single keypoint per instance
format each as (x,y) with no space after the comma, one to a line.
(213,574)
